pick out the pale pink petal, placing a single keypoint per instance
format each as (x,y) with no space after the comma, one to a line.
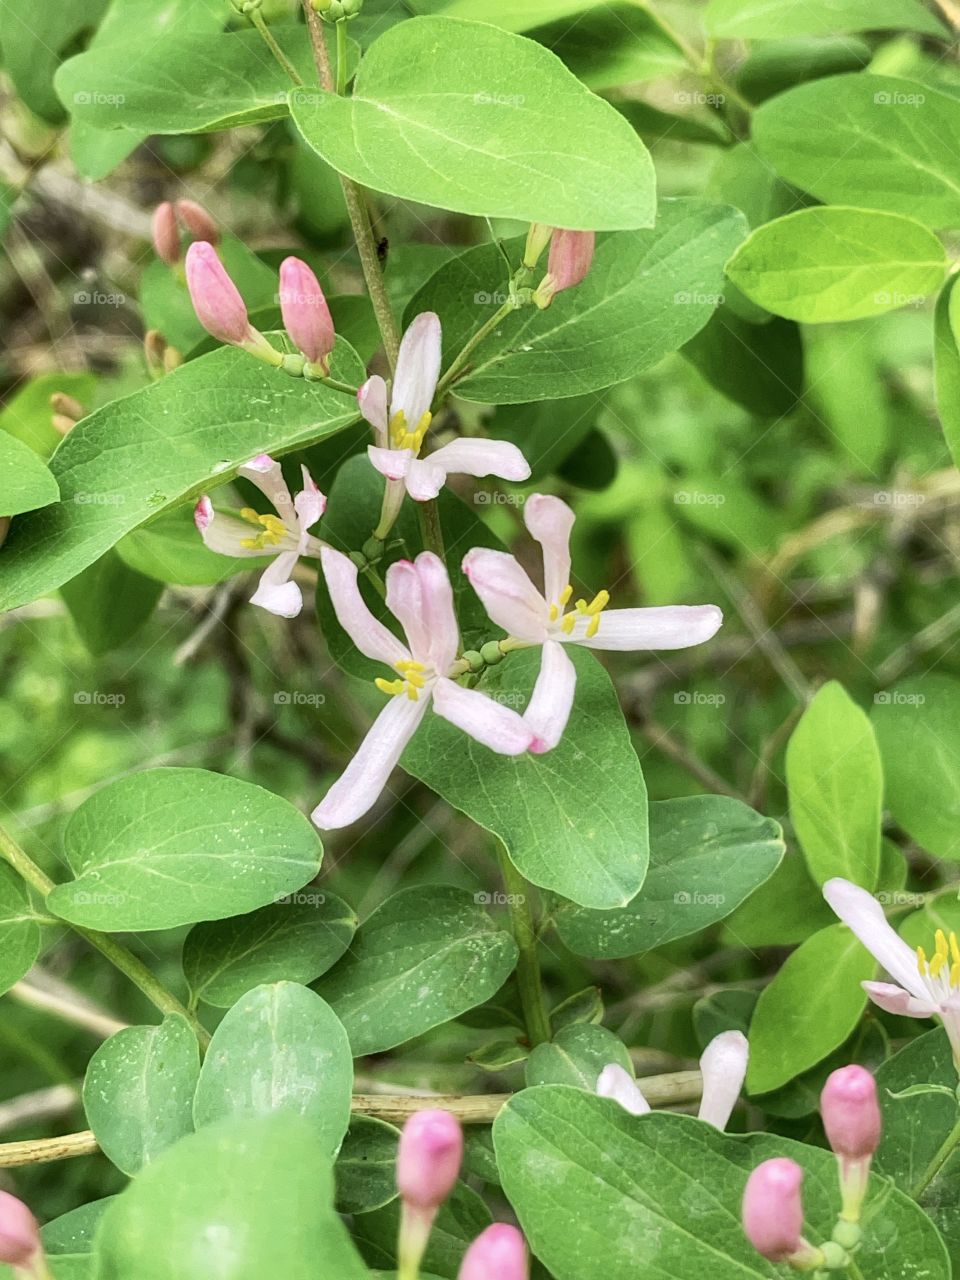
(617,1083)
(372,399)
(482,458)
(360,784)
(309,503)
(862,913)
(418,369)
(405,602)
(440,616)
(267,474)
(893,999)
(224,534)
(509,597)
(489,722)
(550,704)
(724,1068)
(425,479)
(550,521)
(370,636)
(393,463)
(275,592)
(671,626)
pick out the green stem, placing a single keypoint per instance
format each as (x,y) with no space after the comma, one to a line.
(471,345)
(944,1153)
(341,58)
(702,65)
(528,966)
(431,529)
(256,17)
(115,952)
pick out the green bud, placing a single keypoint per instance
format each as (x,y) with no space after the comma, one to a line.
(490,653)
(835,1257)
(293,364)
(246,6)
(474,658)
(847,1234)
(372,550)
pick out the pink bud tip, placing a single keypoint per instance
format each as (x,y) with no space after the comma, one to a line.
(851,1114)
(197,221)
(306,316)
(772,1209)
(428,1161)
(19,1231)
(203,513)
(571,253)
(166,236)
(499,1253)
(215,297)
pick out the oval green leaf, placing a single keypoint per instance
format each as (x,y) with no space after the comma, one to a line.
(26,481)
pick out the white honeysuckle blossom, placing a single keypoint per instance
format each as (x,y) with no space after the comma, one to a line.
(532,617)
(921,988)
(285,536)
(420,597)
(724,1068)
(401,424)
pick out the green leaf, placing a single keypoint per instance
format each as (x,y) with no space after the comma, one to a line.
(499,128)
(279,1048)
(109,602)
(573,820)
(946,345)
(249,1198)
(877,141)
(25,481)
(460,1220)
(168,847)
(810,1007)
(838,263)
(138,1091)
(73,1232)
(707,855)
(576,1056)
(160,447)
(27,412)
(168,550)
(292,941)
(759,19)
(513,17)
(366,1168)
(757,365)
(785,910)
(32,47)
(774,66)
(835,782)
(423,957)
(918,728)
(647,293)
(578,1168)
(613,44)
(19,931)
(847,388)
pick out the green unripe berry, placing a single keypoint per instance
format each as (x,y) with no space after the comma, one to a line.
(475,659)
(292,364)
(491,654)
(372,550)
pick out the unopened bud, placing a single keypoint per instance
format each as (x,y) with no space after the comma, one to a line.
(851,1118)
(571,253)
(197,221)
(617,1083)
(772,1213)
(538,237)
(19,1232)
(306,316)
(166,235)
(219,306)
(473,659)
(60,402)
(491,653)
(499,1253)
(428,1162)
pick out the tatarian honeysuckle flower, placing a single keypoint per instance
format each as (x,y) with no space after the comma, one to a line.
(921,988)
(401,422)
(20,1244)
(306,316)
(420,597)
(723,1065)
(429,1156)
(218,304)
(198,221)
(852,1122)
(571,254)
(772,1214)
(285,536)
(499,1253)
(532,617)
(166,233)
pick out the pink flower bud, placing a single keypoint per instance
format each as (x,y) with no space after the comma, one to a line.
(772,1209)
(197,221)
(499,1253)
(428,1161)
(19,1232)
(851,1114)
(215,297)
(571,253)
(306,316)
(166,234)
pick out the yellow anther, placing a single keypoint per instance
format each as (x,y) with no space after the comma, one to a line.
(392,687)
(554,613)
(272,533)
(954,948)
(922,961)
(568,623)
(405,439)
(941,940)
(565,594)
(411,681)
(593,626)
(955,974)
(937,963)
(251,516)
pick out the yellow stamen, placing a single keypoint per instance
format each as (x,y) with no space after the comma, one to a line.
(922,961)
(405,439)
(568,623)
(272,533)
(936,964)
(955,974)
(565,594)
(954,948)
(411,681)
(393,687)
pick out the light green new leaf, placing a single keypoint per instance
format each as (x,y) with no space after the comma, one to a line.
(19,931)
(424,957)
(707,855)
(138,1091)
(838,263)
(778,19)
(835,783)
(574,819)
(279,1048)
(946,346)
(498,127)
(168,847)
(249,1198)
(810,1007)
(603,1195)
(876,141)
(513,17)
(25,480)
(918,729)
(159,447)
(291,941)
(648,292)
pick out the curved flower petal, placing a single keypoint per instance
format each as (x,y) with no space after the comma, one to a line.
(372,399)
(425,479)
(309,503)
(481,458)
(549,707)
(489,722)
(418,369)
(509,597)
(369,634)
(267,474)
(550,521)
(862,913)
(392,463)
(616,1083)
(275,592)
(223,534)
(357,788)
(672,626)
(724,1068)
(893,999)
(405,602)
(439,614)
